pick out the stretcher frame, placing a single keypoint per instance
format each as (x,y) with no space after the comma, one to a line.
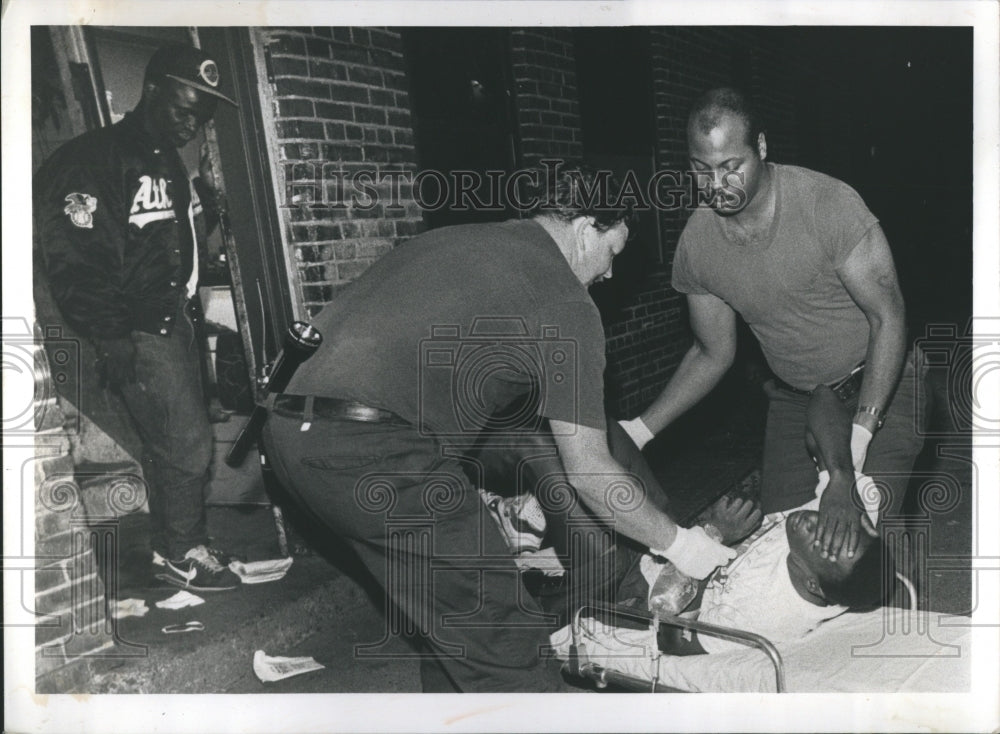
(580,666)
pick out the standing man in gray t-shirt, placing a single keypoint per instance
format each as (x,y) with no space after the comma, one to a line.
(801,258)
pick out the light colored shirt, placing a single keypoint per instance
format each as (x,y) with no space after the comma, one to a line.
(785,286)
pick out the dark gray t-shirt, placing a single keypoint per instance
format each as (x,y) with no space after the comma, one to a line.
(459,322)
(786,287)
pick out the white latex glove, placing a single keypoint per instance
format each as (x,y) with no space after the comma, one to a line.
(637,431)
(860,438)
(695,553)
(870,496)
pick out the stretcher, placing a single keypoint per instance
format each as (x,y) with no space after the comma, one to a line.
(887,650)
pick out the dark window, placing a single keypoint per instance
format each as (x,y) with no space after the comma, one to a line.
(460,96)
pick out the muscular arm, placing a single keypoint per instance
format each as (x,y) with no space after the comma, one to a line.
(604,486)
(828,437)
(869,276)
(592,470)
(714,325)
(828,431)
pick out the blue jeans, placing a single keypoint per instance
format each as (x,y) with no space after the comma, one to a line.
(789,474)
(408,510)
(167,405)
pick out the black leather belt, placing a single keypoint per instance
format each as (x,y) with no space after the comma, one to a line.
(844,389)
(309,408)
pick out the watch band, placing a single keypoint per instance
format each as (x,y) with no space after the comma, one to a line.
(873,411)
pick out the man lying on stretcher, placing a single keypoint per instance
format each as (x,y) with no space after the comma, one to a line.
(780,585)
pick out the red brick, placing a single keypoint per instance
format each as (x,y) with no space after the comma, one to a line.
(58,545)
(342,152)
(349,53)
(360,36)
(296,108)
(336,131)
(284,44)
(365,75)
(289,66)
(385,39)
(343,92)
(302,88)
(50,576)
(327,70)
(299,129)
(334,111)
(318,48)
(370,115)
(382,97)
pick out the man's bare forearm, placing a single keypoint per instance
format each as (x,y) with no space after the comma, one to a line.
(884,364)
(606,489)
(698,373)
(828,423)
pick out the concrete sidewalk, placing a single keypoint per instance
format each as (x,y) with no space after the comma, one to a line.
(316,610)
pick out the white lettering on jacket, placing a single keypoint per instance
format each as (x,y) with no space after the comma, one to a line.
(151,202)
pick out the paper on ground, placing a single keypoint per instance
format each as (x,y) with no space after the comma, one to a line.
(180,600)
(129,608)
(270,668)
(260,572)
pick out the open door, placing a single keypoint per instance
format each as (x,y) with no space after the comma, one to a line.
(243,282)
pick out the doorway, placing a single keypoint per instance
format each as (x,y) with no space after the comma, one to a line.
(96,77)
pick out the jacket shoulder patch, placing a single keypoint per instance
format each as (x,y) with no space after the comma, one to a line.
(81,208)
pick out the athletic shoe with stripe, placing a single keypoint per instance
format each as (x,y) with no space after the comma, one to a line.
(201,569)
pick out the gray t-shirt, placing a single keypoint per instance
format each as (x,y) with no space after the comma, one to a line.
(460,322)
(786,287)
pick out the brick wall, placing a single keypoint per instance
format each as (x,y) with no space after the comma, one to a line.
(71,626)
(341,110)
(548,109)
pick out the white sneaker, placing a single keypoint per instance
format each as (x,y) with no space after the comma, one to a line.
(520,519)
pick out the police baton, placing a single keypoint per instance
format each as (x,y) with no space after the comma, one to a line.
(301,341)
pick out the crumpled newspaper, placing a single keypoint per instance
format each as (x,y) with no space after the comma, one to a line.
(271,668)
(128,608)
(180,600)
(259,572)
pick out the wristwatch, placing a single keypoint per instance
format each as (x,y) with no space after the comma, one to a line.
(874,411)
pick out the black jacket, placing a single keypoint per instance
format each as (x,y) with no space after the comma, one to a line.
(115,225)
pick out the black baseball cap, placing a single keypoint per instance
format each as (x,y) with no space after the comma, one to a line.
(188,65)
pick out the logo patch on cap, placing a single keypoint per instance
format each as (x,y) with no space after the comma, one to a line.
(81,208)
(209,73)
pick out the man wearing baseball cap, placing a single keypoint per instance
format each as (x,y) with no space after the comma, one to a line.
(114,219)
